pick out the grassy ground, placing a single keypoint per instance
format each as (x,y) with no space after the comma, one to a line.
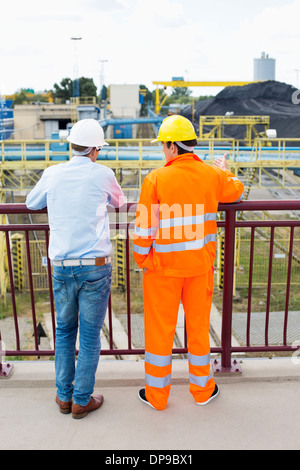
(259,299)
(23,305)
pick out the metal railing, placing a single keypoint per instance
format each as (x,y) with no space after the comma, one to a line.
(230,223)
(272,152)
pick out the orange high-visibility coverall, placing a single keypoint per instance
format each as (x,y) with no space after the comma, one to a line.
(175,240)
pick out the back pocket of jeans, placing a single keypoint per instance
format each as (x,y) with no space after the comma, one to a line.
(60,290)
(96,290)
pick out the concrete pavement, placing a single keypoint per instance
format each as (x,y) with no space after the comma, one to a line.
(258,410)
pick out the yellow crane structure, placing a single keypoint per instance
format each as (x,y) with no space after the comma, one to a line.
(180,83)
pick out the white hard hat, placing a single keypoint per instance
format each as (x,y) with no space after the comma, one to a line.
(87,133)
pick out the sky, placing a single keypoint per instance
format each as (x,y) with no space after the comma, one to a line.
(138,42)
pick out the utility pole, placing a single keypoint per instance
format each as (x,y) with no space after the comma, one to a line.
(102,61)
(76,91)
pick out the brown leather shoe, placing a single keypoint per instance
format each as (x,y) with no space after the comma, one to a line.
(65,407)
(79,411)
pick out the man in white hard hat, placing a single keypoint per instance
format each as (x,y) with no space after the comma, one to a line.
(76,194)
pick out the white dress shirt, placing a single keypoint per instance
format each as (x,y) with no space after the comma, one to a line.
(76,194)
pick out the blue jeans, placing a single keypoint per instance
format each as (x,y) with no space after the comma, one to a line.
(81,296)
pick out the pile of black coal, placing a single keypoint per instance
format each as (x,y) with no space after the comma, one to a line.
(277,100)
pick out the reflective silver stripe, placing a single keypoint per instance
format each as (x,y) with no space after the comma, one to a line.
(141,250)
(201,381)
(240,198)
(145,232)
(158,382)
(199,360)
(210,216)
(190,220)
(157,360)
(190,245)
(234,179)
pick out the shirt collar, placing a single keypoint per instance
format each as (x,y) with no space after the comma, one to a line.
(78,160)
(184,156)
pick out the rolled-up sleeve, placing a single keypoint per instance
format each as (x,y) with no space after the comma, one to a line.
(231,189)
(37,198)
(116,196)
(146,225)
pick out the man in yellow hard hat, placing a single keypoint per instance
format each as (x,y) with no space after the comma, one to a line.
(175,243)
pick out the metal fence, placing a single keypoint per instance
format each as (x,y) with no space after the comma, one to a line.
(230,223)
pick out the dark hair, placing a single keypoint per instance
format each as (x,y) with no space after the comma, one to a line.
(78,148)
(189,143)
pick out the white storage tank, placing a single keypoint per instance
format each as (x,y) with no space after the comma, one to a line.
(264,68)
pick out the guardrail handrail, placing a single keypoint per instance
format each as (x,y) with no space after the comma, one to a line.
(230,223)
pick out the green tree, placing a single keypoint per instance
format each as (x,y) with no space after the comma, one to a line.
(87,87)
(147,99)
(64,91)
(181,92)
(25,95)
(180,95)
(20,97)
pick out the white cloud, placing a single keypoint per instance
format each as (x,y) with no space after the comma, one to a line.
(19,51)
(146,41)
(275,31)
(167,14)
(106,5)
(55,18)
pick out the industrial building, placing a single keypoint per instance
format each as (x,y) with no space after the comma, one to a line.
(39,120)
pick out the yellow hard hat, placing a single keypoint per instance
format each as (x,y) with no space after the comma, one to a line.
(176,128)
